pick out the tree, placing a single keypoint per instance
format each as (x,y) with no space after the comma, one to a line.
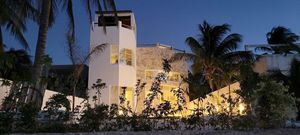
(57,108)
(272,103)
(48,8)
(213,52)
(295,82)
(281,40)
(292,80)
(198,86)
(15,65)
(13,16)
(78,62)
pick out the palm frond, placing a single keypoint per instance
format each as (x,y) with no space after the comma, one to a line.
(19,35)
(230,43)
(295,47)
(218,33)
(1,42)
(94,52)
(281,35)
(68,5)
(194,45)
(238,56)
(71,48)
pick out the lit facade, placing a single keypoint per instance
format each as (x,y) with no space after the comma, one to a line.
(123,63)
(149,64)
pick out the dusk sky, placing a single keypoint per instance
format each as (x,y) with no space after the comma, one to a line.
(171,21)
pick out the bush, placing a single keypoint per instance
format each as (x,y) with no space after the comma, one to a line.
(53,128)
(28,118)
(273,105)
(244,122)
(95,118)
(6,122)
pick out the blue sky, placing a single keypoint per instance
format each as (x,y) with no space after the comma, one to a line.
(171,21)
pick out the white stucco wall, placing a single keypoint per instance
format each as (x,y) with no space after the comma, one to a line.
(275,62)
(215,98)
(78,101)
(4,91)
(100,66)
(127,74)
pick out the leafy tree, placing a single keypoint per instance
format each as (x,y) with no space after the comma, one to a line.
(98,86)
(57,108)
(273,105)
(294,80)
(282,41)
(249,81)
(212,52)
(155,90)
(290,80)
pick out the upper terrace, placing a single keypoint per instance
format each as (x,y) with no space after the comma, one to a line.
(110,18)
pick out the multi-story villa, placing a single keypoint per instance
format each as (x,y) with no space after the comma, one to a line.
(123,63)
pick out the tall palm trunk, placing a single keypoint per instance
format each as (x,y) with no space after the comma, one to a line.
(1,42)
(210,82)
(40,52)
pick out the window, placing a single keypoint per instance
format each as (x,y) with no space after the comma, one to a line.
(114,54)
(167,94)
(107,20)
(129,96)
(174,76)
(126,56)
(111,21)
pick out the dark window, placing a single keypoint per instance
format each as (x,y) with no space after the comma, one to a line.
(110,21)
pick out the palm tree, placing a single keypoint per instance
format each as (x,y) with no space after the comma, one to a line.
(213,52)
(78,62)
(198,86)
(48,8)
(281,40)
(15,65)
(13,17)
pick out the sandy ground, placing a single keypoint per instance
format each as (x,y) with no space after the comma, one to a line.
(212,132)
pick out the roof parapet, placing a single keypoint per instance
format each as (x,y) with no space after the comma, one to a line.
(160,46)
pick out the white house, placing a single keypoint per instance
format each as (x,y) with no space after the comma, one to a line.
(122,62)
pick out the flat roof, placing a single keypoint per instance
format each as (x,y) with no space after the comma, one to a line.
(111,12)
(158,45)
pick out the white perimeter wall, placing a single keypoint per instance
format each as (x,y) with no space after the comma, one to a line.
(78,101)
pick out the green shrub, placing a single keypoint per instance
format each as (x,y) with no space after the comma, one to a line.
(28,118)
(6,122)
(244,122)
(273,105)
